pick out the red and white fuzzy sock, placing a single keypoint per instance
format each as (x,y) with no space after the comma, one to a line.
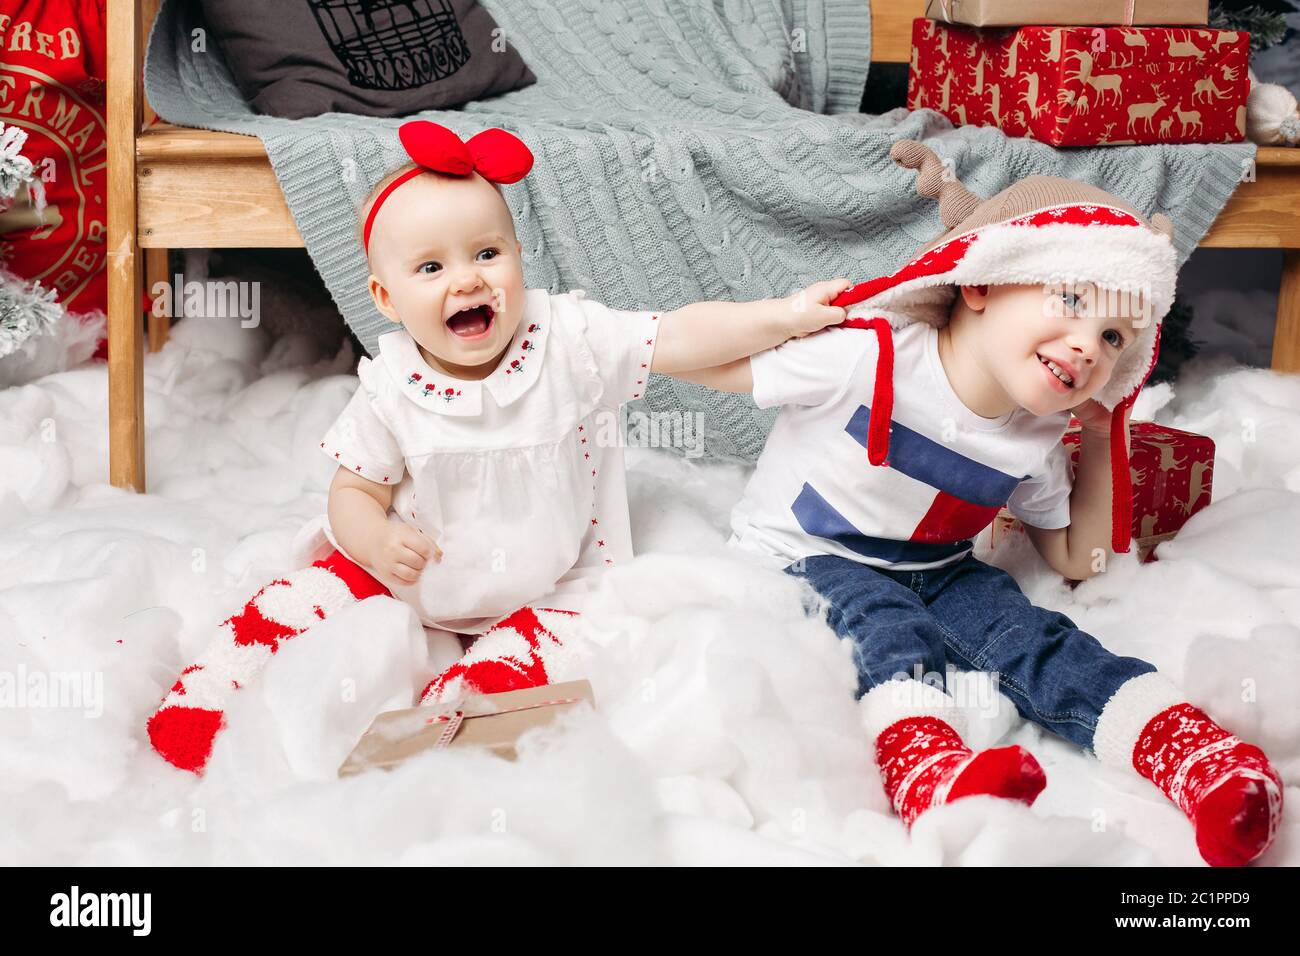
(1225,787)
(185,725)
(922,759)
(522,650)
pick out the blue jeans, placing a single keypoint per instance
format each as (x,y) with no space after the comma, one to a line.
(974,616)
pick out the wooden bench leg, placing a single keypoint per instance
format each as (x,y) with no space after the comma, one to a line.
(125,330)
(155,270)
(125,374)
(1286,334)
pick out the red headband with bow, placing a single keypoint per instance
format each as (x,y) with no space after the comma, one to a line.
(495,154)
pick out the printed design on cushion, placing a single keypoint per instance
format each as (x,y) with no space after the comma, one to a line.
(393,44)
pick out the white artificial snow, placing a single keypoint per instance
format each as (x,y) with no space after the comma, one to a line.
(725,729)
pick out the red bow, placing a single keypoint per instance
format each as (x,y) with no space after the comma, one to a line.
(497,155)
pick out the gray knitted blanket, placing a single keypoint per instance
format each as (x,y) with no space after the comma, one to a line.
(686,150)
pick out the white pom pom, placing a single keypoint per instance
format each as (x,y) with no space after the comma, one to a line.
(1271,117)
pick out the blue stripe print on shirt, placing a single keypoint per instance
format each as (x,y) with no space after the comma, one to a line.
(817,517)
(924,459)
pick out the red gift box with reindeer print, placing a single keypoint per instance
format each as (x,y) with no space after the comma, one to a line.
(1085,86)
(1172,473)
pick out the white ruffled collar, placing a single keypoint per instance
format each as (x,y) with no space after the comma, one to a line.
(441,393)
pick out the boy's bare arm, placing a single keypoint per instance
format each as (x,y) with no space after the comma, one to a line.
(1071,550)
(705,335)
(358,515)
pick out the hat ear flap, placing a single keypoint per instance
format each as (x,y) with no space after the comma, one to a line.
(1164,225)
(935,181)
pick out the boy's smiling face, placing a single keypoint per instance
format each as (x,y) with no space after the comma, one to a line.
(1051,348)
(445,264)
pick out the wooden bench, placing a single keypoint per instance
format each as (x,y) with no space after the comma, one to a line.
(170,187)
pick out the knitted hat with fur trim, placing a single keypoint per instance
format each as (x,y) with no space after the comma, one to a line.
(1041,230)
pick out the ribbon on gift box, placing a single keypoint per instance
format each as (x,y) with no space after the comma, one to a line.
(455,718)
(1130,12)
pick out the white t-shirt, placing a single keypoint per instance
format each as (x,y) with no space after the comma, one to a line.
(949,470)
(519,477)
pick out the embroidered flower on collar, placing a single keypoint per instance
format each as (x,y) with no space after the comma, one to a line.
(420,382)
(526,346)
(431,388)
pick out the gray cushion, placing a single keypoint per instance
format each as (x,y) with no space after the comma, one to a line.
(296,58)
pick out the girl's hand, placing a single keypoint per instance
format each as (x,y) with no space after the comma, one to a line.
(401,553)
(809,310)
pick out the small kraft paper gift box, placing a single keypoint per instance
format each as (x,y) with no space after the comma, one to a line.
(1084,86)
(1014,13)
(1172,473)
(494,721)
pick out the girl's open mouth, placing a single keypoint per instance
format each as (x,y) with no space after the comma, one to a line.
(473,323)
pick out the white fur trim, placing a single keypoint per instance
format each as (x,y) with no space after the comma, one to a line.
(1129,709)
(893,700)
(1114,257)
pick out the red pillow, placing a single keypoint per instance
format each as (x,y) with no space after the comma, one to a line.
(52,85)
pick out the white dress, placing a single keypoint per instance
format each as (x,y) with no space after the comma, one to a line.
(519,477)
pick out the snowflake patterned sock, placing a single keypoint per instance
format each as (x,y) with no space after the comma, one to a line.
(522,650)
(183,728)
(923,761)
(1227,788)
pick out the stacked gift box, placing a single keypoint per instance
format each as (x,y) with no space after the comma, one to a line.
(1082,72)
(1172,473)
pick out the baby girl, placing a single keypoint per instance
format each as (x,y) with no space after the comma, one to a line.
(472,481)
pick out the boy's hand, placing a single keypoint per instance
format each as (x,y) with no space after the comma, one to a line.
(809,310)
(401,552)
(1093,416)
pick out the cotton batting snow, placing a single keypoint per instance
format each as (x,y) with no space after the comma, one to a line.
(726,730)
